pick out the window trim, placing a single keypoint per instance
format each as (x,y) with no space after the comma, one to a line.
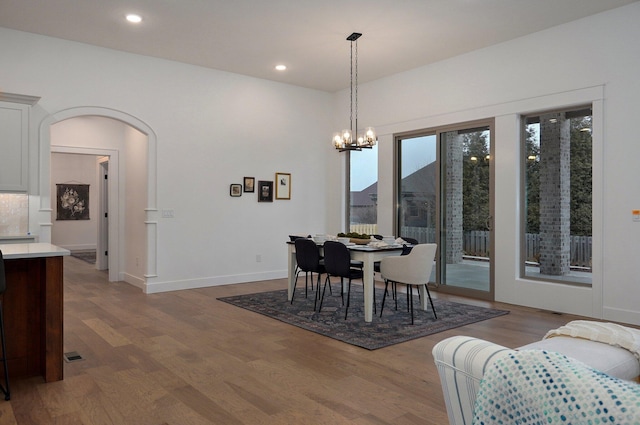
(573,111)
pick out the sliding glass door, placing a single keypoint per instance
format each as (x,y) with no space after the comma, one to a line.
(444,186)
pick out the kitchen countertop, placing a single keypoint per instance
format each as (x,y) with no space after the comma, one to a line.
(31,250)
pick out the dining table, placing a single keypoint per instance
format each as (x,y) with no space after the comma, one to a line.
(368,254)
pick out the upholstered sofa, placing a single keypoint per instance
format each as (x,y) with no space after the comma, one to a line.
(462,363)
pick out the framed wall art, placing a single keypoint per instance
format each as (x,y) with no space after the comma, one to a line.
(72,201)
(283,186)
(249,183)
(235,190)
(265,191)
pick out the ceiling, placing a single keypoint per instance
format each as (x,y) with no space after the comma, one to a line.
(309,36)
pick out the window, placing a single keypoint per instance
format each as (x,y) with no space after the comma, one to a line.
(417,168)
(363,199)
(557,228)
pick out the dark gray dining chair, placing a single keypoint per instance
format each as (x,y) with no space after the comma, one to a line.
(309,262)
(3,287)
(337,262)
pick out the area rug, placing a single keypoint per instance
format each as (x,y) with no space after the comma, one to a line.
(392,328)
(88,256)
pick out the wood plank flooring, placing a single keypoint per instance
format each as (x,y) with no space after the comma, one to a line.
(185,358)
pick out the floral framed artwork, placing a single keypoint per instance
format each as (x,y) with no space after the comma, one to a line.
(72,201)
(249,184)
(235,190)
(265,191)
(283,186)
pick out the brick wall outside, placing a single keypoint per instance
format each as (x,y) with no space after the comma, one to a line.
(555,195)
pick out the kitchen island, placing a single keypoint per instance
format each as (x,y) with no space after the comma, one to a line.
(33,313)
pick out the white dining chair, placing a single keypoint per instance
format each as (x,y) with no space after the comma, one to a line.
(411,270)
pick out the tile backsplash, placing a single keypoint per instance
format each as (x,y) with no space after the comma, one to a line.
(14,214)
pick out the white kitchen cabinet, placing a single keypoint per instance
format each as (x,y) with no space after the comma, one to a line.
(14,141)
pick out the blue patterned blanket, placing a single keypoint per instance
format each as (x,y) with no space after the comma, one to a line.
(540,387)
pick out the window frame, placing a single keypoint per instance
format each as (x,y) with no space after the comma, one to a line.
(573,111)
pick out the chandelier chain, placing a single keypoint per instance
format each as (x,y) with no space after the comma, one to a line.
(351,92)
(355,130)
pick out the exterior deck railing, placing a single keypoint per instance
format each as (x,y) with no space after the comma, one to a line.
(476,243)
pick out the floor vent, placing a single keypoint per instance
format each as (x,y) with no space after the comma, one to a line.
(72,356)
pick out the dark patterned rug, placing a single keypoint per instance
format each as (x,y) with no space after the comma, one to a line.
(85,255)
(394,326)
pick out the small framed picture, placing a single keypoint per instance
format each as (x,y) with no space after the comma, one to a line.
(265,191)
(235,190)
(249,183)
(283,186)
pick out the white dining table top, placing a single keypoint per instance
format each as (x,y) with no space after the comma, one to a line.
(365,248)
(374,248)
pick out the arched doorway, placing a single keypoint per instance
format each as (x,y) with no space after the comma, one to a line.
(117,157)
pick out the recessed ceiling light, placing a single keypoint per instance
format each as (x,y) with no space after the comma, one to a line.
(133,18)
(281,67)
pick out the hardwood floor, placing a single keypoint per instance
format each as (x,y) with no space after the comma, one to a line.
(185,358)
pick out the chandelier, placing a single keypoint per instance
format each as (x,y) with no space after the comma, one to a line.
(349,139)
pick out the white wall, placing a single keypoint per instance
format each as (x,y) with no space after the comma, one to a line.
(597,60)
(212,128)
(75,169)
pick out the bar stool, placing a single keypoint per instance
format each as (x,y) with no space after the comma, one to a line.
(3,287)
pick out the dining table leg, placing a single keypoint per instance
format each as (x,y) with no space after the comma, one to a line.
(292,270)
(367,282)
(422,289)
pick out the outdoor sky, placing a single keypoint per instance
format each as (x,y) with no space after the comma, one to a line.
(416,153)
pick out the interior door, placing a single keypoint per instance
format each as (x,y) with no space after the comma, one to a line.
(102,251)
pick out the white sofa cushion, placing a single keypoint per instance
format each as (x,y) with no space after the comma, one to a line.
(614,361)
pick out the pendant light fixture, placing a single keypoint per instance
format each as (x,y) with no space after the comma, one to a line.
(349,139)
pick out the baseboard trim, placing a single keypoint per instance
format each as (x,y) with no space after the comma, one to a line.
(134,280)
(177,285)
(621,315)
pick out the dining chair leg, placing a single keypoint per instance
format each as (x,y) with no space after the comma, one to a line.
(395,285)
(410,288)
(384,296)
(295,283)
(374,292)
(346,310)
(323,291)
(316,296)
